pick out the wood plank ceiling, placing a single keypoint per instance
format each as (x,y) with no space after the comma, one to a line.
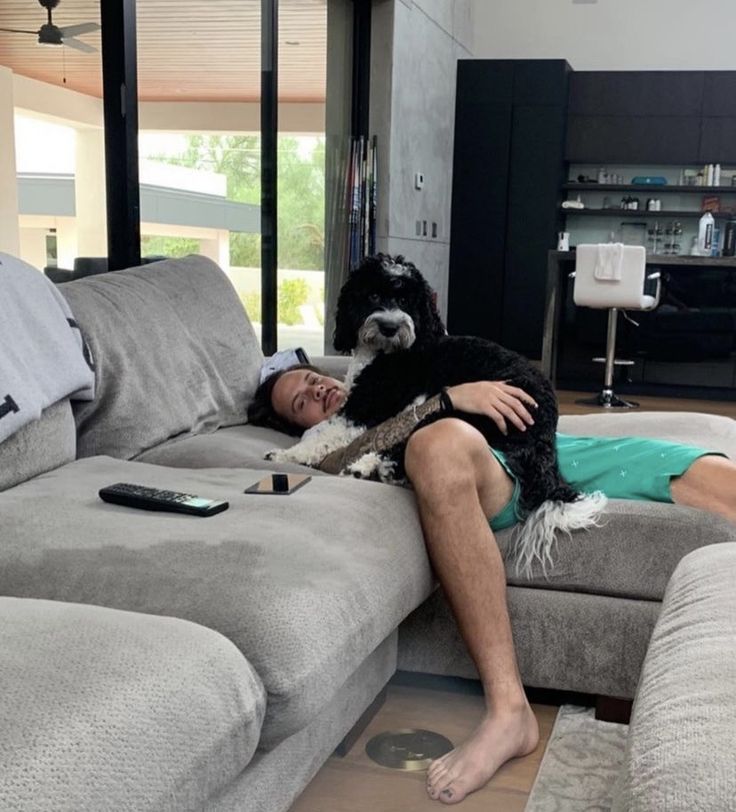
(188,50)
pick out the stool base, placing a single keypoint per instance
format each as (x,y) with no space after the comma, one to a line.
(607,399)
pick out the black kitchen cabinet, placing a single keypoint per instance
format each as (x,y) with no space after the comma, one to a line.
(508,169)
(718,140)
(633,139)
(636,93)
(719,94)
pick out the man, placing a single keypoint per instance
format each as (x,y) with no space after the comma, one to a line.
(463,493)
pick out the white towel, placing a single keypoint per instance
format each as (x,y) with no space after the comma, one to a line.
(609,261)
(42,352)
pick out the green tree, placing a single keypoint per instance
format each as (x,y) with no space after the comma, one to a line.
(168,246)
(301,191)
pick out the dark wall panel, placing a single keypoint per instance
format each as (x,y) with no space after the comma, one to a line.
(535,179)
(635,93)
(479,208)
(507,172)
(633,139)
(718,140)
(719,93)
(541,82)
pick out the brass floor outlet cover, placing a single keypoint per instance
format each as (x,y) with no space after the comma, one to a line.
(407,749)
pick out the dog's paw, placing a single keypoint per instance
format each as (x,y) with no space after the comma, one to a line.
(276,455)
(372,466)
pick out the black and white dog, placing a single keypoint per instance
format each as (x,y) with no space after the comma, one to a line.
(402,355)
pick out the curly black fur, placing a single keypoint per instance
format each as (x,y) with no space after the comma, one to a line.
(394,379)
(371,287)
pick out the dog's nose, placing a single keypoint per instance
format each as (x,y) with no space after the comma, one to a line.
(388,330)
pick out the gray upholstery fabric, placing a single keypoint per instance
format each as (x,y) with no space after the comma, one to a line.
(275,778)
(305,585)
(564,640)
(39,446)
(174,350)
(631,555)
(682,736)
(336,366)
(233,447)
(108,710)
(713,431)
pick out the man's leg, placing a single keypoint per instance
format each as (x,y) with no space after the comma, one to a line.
(709,484)
(458,484)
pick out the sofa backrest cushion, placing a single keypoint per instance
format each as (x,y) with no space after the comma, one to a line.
(39,446)
(174,351)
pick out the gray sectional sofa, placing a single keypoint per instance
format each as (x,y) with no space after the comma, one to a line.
(164,662)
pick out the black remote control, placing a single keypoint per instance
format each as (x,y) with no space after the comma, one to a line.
(139,496)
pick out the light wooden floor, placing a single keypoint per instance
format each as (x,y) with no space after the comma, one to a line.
(356,784)
(568,406)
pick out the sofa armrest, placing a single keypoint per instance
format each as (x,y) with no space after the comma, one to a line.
(679,753)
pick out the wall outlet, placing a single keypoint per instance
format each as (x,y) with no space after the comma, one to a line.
(419,180)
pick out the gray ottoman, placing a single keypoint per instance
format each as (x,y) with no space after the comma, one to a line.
(108,710)
(681,750)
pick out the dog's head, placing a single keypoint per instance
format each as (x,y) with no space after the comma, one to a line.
(386,305)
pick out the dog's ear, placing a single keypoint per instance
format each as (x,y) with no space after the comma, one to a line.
(432,324)
(344,338)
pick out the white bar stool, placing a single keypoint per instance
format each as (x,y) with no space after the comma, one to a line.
(612,276)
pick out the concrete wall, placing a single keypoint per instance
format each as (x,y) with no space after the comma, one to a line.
(415,48)
(610,34)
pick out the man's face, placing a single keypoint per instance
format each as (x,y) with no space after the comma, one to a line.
(306,398)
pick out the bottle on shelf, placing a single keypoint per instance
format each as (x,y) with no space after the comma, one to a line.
(717,175)
(729,239)
(705,234)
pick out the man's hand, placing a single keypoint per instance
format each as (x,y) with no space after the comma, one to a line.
(496,399)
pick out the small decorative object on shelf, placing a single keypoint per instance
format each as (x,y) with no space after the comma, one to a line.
(649,180)
(573,204)
(711,203)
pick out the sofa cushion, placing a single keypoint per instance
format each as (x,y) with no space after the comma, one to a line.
(680,749)
(715,432)
(233,447)
(305,585)
(39,446)
(102,709)
(632,554)
(174,351)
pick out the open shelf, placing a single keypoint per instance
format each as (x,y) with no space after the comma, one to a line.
(681,260)
(640,213)
(649,187)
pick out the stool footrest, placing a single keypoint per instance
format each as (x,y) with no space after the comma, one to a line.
(619,362)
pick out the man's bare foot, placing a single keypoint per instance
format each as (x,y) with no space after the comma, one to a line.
(499,737)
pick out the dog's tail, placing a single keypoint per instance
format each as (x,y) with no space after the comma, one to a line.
(535,539)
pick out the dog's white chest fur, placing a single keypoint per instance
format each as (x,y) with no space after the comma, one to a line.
(318,442)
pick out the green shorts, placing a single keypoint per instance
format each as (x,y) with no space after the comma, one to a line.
(622,467)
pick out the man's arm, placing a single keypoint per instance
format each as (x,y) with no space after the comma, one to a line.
(380,438)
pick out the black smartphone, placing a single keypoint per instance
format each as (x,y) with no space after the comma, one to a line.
(279,484)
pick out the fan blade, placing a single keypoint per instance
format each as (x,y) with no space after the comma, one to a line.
(78,45)
(17,31)
(76,30)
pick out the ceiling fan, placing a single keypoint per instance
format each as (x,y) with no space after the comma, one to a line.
(50,34)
